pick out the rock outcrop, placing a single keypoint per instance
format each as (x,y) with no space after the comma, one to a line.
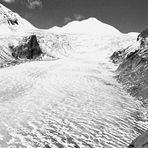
(140,142)
(27,49)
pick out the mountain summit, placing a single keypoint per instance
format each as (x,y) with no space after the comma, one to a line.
(88,26)
(11,22)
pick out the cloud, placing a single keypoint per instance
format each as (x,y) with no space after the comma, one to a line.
(28,15)
(31,4)
(78,17)
(67,20)
(9,1)
(74,17)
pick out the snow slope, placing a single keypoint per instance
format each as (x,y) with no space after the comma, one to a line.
(89,26)
(12,23)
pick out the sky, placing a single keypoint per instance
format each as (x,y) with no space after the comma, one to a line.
(125,15)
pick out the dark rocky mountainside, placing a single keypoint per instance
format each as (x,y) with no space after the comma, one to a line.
(28,49)
(133,73)
(133,69)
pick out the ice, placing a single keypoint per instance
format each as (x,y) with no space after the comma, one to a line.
(71,102)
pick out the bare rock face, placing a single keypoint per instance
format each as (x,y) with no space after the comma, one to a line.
(140,142)
(12,22)
(27,49)
(118,56)
(143,38)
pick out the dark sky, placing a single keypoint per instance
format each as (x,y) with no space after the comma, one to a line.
(125,15)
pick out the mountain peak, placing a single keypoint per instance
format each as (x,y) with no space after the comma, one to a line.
(88,26)
(93,20)
(89,21)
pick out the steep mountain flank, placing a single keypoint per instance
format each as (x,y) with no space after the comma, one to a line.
(133,69)
(11,23)
(133,73)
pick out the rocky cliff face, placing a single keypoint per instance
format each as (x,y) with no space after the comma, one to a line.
(140,142)
(132,72)
(27,49)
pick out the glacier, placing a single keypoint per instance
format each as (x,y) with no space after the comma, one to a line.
(72,100)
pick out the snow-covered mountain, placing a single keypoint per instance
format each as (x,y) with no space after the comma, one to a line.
(88,26)
(71,97)
(12,23)
(16,37)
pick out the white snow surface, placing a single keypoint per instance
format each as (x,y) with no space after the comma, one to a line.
(6,28)
(88,26)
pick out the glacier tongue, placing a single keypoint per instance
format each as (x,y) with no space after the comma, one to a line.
(74,102)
